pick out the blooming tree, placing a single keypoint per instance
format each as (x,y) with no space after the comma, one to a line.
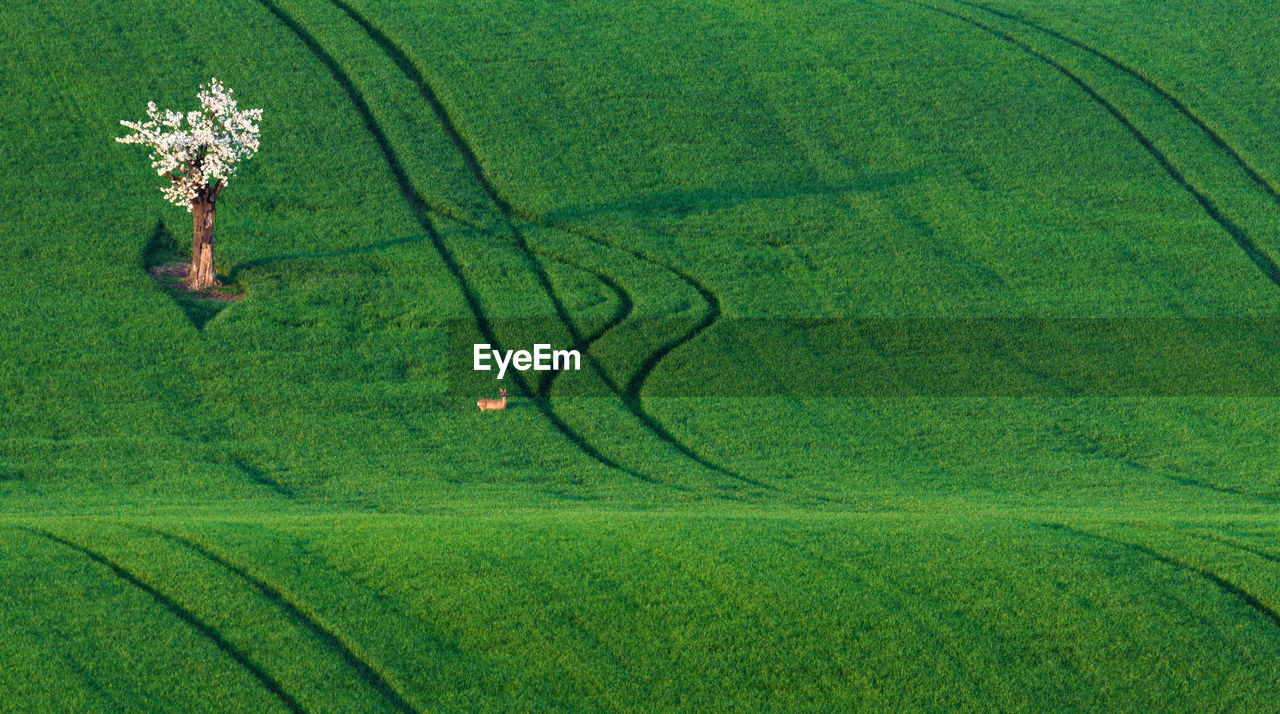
(198,152)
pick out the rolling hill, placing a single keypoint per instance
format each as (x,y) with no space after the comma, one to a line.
(760,492)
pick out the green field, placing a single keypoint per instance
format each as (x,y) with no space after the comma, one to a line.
(290,502)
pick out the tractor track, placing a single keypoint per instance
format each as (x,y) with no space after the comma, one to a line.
(331,640)
(1259,258)
(625,306)
(421,210)
(1218,581)
(1150,84)
(630,395)
(612,285)
(1099,447)
(402,63)
(1237,545)
(410,72)
(1226,490)
(186,616)
(631,392)
(261,478)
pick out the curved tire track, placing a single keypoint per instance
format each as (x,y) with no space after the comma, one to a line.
(1151,84)
(1099,447)
(1227,490)
(421,210)
(631,393)
(1260,259)
(406,67)
(1236,545)
(331,641)
(625,306)
(1218,581)
(632,390)
(187,617)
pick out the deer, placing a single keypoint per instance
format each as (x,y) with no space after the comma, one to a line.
(487,404)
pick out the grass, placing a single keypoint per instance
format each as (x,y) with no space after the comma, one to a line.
(294,499)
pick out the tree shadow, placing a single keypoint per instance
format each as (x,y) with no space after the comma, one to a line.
(161,247)
(320,255)
(165,259)
(242,267)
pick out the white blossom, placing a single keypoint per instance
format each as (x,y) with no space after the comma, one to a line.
(203,154)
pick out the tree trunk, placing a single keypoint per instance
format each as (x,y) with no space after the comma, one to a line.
(202,211)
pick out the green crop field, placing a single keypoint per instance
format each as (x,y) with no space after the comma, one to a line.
(758,493)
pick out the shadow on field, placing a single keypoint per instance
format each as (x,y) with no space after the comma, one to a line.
(165,259)
(241,268)
(313,255)
(679,204)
